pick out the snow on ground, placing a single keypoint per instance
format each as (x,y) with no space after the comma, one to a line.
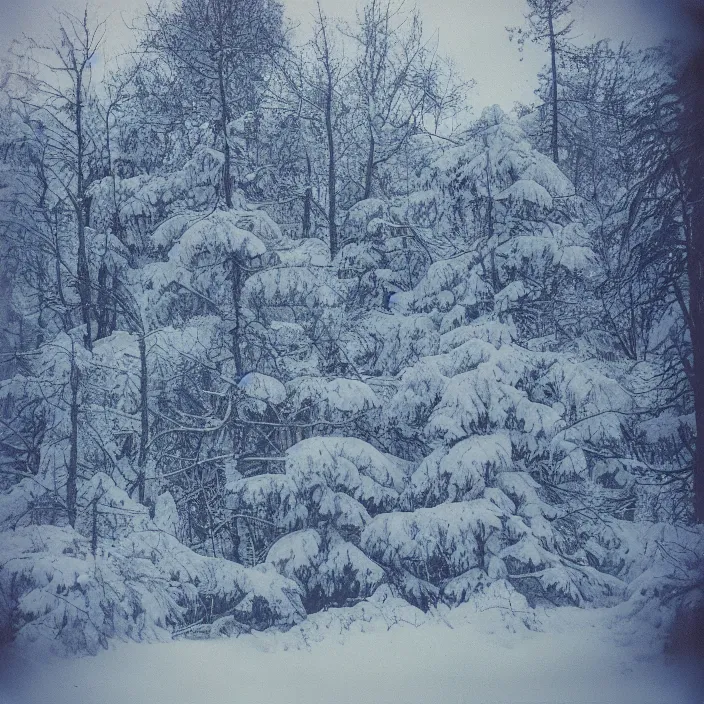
(461,657)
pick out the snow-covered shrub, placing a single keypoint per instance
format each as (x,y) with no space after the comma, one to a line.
(57,594)
(327,480)
(136,581)
(331,570)
(434,544)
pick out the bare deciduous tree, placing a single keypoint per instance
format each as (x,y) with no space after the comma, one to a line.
(543,20)
(221,50)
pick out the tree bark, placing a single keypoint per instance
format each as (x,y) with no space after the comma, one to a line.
(307,198)
(103,303)
(225,117)
(236,274)
(94,528)
(332,175)
(369,169)
(144,419)
(82,270)
(72,469)
(553,64)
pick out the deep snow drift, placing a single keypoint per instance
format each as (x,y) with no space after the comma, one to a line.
(461,656)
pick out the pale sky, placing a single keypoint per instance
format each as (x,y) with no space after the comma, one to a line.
(471,32)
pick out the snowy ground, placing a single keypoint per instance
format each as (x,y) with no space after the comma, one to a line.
(579,657)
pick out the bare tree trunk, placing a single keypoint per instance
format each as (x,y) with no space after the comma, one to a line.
(103,303)
(82,270)
(113,311)
(94,528)
(553,63)
(225,117)
(65,310)
(307,198)
(144,418)
(41,323)
(72,469)
(329,92)
(490,222)
(332,175)
(369,169)
(236,274)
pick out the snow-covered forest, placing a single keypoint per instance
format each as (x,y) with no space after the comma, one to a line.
(294,330)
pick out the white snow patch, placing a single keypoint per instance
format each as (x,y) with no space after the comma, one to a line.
(461,656)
